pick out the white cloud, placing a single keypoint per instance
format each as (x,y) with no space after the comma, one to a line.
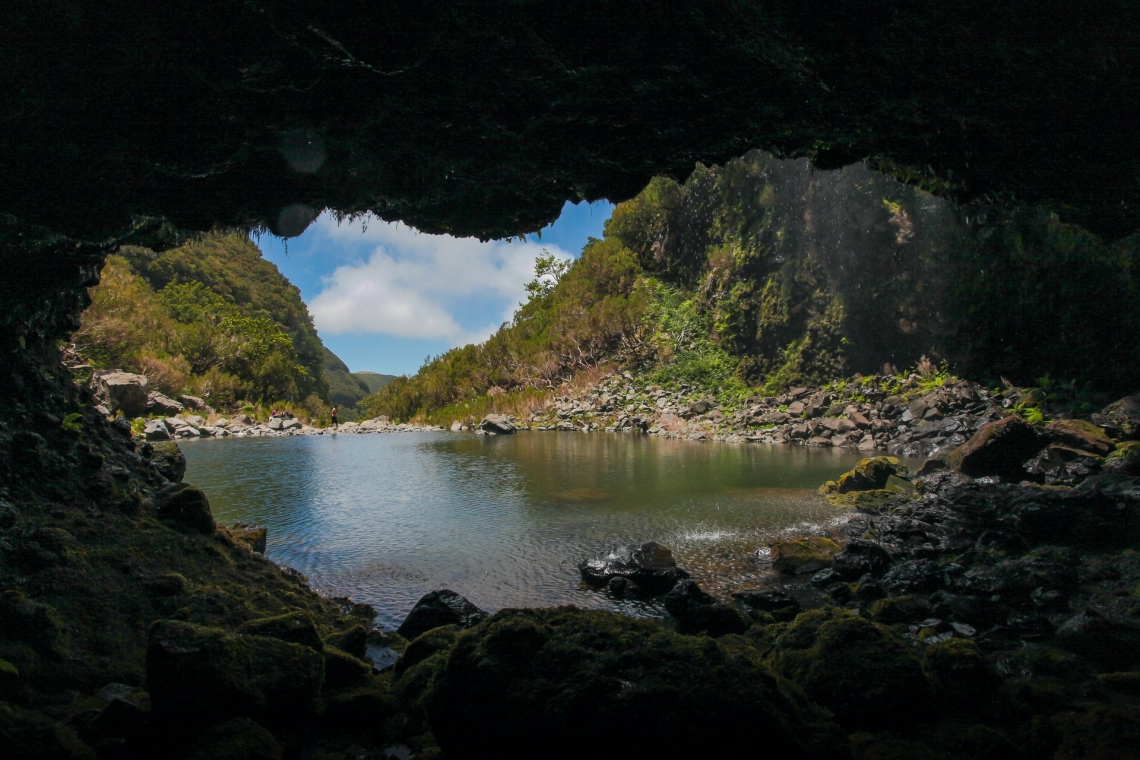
(409,284)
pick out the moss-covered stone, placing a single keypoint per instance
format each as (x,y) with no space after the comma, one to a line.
(186,507)
(872,474)
(873,502)
(196,673)
(297,627)
(960,673)
(1080,435)
(236,739)
(168,459)
(342,670)
(808,554)
(997,448)
(29,735)
(1101,733)
(861,671)
(563,683)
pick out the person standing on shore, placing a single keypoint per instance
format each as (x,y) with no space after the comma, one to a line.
(335,420)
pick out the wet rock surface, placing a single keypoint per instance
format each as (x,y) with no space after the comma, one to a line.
(649,566)
(439,608)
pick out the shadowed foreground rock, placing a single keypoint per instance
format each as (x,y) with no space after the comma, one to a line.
(439,608)
(649,566)
(569,683)
(998,448)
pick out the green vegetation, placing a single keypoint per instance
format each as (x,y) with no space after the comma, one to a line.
(762,274)
(214,319)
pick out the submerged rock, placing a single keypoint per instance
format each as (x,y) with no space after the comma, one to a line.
(565,683)
(808,554)
(440,608)
(649,565)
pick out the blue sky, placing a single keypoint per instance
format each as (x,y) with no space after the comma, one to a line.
(385,296)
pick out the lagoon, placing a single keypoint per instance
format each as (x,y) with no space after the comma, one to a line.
(505,520)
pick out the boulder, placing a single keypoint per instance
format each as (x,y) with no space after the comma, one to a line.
(872,474)
(194,420)
(499,424)
(156,430)
(276,424)
(30,735)
(198,674)
(562,683)
(998,448)
(186,507)
(121,391)
(234,739)
(808,554)
(861,671)
(251,536)
(1081,435)
(649,565)
(193,402)
(697,612)
(296,627)
(169,460)
(1108,644)
(291,425)
(158,403)
(1121,419)
(779,604)
(456,426)
(241,420)
(859,557)
(440,608)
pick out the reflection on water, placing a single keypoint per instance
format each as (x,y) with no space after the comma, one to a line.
(505,521)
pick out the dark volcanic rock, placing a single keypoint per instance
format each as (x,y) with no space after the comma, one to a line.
(1121,418)
(698,612)
(859,557)
(440,608)
(1109,644)
(998,448)
(563,683)
(186,507)
(649,565)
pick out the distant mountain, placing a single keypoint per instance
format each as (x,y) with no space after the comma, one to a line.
(345,389)
(374,380)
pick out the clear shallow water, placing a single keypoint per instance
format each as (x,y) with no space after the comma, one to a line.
(504,521)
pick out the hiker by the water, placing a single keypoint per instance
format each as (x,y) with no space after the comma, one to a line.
(335,420)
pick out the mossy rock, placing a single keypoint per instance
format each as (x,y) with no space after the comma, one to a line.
(890,746)
(807,554)
(871,474)
(237,739)
(296,627)
(899,609)
(168,459)
(31,735)
(1101,733)
(997,448)
(419,664)
(960,672)
(873,502)
(1124,683)
(563,683)
(861,671)
(198,673)
(1124,449)
(1080,435)
(28,621)
(342,670)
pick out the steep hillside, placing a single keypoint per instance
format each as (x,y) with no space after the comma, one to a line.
(213,318)
(764,273)
(345,389)
(374,380)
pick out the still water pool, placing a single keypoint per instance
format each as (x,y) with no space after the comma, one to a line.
(505,520)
